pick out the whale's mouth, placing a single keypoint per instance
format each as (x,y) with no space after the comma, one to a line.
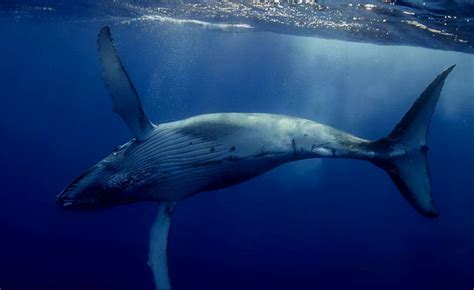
(67,199)
(83,193)
(80,204)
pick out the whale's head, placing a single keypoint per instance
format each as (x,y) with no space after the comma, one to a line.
(105,184)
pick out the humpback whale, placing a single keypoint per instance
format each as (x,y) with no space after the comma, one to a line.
(166,163)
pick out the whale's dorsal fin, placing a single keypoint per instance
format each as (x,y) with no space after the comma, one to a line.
(125,98)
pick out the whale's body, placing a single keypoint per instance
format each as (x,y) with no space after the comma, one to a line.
(169,162)
(214,151)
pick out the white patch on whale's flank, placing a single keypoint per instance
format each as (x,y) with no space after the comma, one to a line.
(324,152)
(287,125)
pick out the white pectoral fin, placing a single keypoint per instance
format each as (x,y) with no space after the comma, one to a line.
(157,257)
(125,99)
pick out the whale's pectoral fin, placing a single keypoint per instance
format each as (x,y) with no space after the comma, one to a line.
(158,258)
(125,99)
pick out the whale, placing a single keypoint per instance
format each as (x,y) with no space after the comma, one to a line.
(169,162)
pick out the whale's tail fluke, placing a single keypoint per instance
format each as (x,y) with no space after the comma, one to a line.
(409,171)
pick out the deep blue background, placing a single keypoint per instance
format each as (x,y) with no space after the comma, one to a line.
(325,224)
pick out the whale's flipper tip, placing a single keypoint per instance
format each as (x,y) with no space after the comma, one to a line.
(449,69)
(105,29)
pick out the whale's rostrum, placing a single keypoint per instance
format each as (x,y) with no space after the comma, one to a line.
(169,162)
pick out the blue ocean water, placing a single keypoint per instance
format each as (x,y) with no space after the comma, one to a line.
(314,224)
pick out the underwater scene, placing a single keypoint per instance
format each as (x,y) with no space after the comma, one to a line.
(247,144)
